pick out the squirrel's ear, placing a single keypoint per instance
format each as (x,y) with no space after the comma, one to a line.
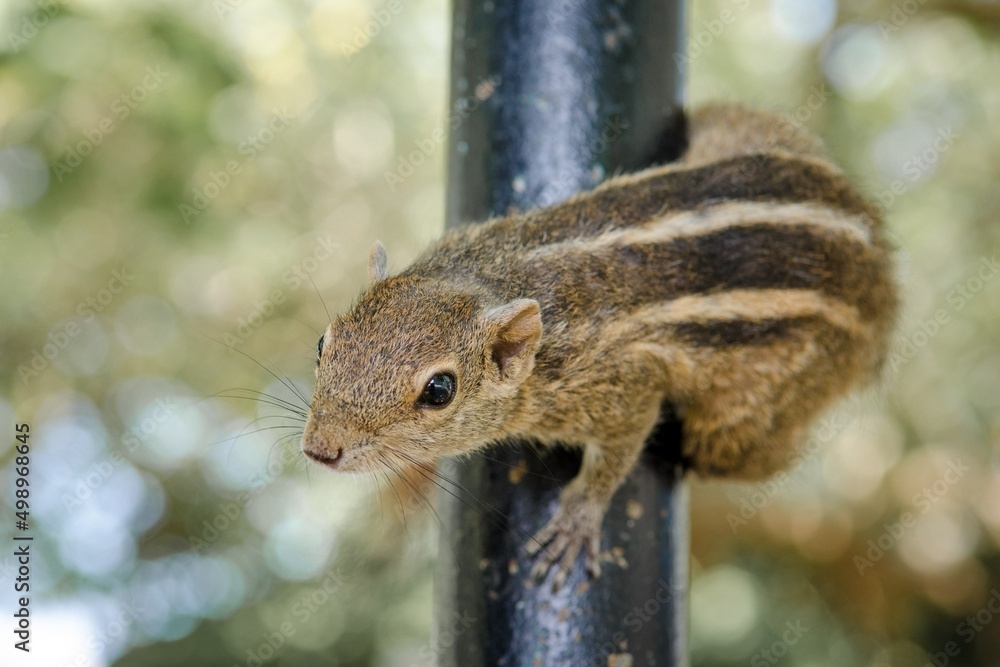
(515,331)
(378,261)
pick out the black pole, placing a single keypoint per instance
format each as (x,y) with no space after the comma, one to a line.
(548,98)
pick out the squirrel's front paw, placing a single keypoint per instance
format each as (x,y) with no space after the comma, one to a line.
(575,527)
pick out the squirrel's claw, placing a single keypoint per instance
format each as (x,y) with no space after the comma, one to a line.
(575,527)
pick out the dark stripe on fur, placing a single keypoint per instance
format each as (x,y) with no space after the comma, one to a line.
(729,333)
(748,178)
(776,256)
(744,178)
(583,285)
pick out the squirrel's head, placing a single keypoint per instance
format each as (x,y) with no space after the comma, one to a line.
(418,368)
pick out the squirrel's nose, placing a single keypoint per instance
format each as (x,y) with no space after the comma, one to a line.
(326,459)
(320,447)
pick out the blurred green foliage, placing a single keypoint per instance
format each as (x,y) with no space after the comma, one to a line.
(175,178)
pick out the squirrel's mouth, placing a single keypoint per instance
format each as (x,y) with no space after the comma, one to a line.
(329,460)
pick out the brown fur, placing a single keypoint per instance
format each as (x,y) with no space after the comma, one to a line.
(748,284)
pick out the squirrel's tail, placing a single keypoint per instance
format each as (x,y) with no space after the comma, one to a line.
(721,131)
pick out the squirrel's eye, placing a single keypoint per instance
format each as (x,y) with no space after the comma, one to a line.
(319,348)
(439,391)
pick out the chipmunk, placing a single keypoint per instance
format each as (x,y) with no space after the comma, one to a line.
(747,285)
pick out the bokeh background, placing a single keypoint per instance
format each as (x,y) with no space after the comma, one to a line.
(186,187)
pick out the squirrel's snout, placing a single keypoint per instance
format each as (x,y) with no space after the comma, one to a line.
(317,446)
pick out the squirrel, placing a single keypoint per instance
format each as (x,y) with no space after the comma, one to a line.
(747,285)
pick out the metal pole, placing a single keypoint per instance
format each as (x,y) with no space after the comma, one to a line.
(548,98)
